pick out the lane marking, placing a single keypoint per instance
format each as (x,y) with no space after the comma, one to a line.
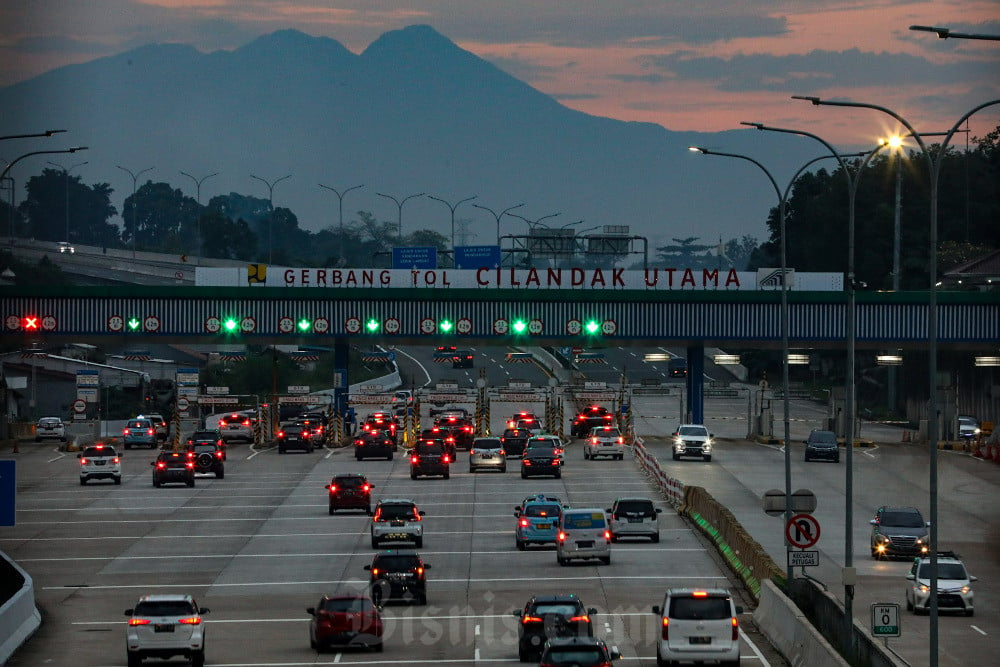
(982,632)
(753,647)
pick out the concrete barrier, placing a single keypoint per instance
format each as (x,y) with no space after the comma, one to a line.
(790,631)
(19,618)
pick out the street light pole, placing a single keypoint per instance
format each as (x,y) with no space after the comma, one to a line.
(46,133)
(135,220)
(934,161)
(11,164)
(452,209)
(499,215)
(534,223)
(66,173)
(198,182)
(399,210)
(270,209)
(340,205)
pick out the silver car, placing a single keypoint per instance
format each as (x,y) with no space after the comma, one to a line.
(487,454)
(163,626)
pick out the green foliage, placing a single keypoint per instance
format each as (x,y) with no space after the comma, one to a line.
(42,272)
(51,196)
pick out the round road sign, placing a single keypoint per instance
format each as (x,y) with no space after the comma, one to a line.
(213,324)
(321,325)
(183,403)
(464,325)
(391,326)
(574,327)
(352,325)
(609,327)
(427,325)
(151,323)
(248,325)
(500,327)
(79,406)
(802,531)
(535,327)
(116,323)
(48,323)
(286,325)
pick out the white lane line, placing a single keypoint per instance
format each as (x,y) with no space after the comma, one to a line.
(980,631)
(60,457)
(478,630)
(365,582)
(345,554)
(753,647)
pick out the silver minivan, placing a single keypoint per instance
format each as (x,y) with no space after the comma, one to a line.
(634,517)
(583,533)
(698,625)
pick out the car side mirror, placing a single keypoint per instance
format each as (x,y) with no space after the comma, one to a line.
(128,612)
(79,456)
(928,524)
(371,486)
(873,522)
(608,510)
(911,576)
(422,513)
(972,578)
(516,613)
(592,611)
(517,512)
(152,463)
(658,510)
(656,609)
(614,653)
(368,567)
(311,611)
(204,610)
(739,609)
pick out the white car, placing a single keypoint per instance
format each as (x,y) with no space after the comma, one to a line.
(583,533)
(50,428)
(698,625)
(66,246)
(604,441)
(236,426)
(692,440)
(634,517)
(162,626)
(100,461)
(397,520)
(954,585)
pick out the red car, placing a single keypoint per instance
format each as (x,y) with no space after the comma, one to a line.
(345,620)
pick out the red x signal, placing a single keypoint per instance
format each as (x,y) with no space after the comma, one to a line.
(31,323)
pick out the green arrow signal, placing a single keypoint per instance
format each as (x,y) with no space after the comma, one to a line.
(372,325)
(446,326)
(134,323)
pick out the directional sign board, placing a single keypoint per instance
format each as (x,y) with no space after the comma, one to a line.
(803,559)
(885,619)
(802,531)
(414,257)
(474,257)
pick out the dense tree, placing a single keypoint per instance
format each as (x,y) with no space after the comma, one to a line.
(51,197)
(167,219)
(227,239)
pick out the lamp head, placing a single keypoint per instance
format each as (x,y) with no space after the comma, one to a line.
(808,98)
(698,149)
(759,126)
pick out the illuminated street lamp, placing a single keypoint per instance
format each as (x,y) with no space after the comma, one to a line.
(399,210)
(452,209)
(499,215)
(135,219)
(66,174)
(270,207)
(198,182)
(934,160)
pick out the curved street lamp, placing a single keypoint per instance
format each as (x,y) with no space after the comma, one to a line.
(270,208)
(533,223)
(499,215)
(945,33)
(399,210)
(135,219)
(934,162)
(452,209)
(197,183)
(66,174)
(46,133)
(340,204)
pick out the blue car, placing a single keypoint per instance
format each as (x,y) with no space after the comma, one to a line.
(537,520)
(139,432)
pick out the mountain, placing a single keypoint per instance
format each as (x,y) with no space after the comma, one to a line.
(412,113)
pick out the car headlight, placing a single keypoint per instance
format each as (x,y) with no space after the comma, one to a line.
(966,589)
(924,588)
(881,539)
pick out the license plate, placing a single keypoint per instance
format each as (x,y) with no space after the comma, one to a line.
(99,463)
(700,640)
(586,544)
(292,438)
(485,457)
(163,627)
(543,526)
(634,520)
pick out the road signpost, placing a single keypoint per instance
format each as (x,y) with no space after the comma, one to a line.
(885,619)
(802,531)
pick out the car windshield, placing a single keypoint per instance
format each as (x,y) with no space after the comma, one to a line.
(294,428)
(515,433)
(207,448)
(487,443)
(389,512)
(165,608)
(560,608)
(583,520)
(590,655)
(541,453)
(348,481)
(634,508)
(397,563)
(49,421)
(541,510)
(699,608)
(347,604)
(693,430)
(824,437)
(951,571)
(430,448)
(902,519)
(91,452)
(135,423)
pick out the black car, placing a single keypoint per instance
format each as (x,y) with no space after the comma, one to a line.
(461,430)
(430,457)
(295,436)
(370,444)
(899,531)
(173,468)
(398,575)
(462,359)
(578,652)
(350,491)
(513,441)
(207,436)
(541,461)
(595,415)
(822,445)
(208,458)
(547,616)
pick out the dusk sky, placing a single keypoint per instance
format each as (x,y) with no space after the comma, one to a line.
(702,66)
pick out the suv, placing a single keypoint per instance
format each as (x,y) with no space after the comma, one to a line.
(139,431)
(397,520)
(209,437)
(162,626)
(548,616)
(236,426)
(460,428)
(294,436)
(173,467)
(99,461)
(513,441)
(374,443)
(577,651)
(159,424)
(208,458)
(953,585)
(692,440)
(541,461)
(968,428)
(429,457)
(381,421)
(398,574)
(50,427)
(537,520)
(351,620)
(604,441)
(634,517)
(822,445)
(583,533)
(350,491)
(899,531)
(463,359)
(595,415)
(698,625)
(487,453)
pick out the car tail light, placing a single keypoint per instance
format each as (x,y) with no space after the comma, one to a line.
(555,462)
(374,571)
(83,462)
(665,630)
(526,462)
(472,452)
(366,488)
(414,459)
(150,431)
(281,434)
(332,488)
(116,460)
(580,619)
(736,628)
(125,431)
(246,422)
(607,535)
(189,464)
(446,459)
(161,465)
(139,621)
(524,523)
(191,620)
(699,594)
(593,441)
(621,440)
(419,571)
(562,536)
(218,455)
(503,452)
(531,619)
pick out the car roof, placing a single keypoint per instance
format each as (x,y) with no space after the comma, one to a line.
(541,498)
(166,597)
(555,597)
(633,499)
(396,501)
(689,591)
(576,641)
(353,475)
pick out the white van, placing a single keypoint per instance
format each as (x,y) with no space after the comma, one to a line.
(583,533)
(698,625)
